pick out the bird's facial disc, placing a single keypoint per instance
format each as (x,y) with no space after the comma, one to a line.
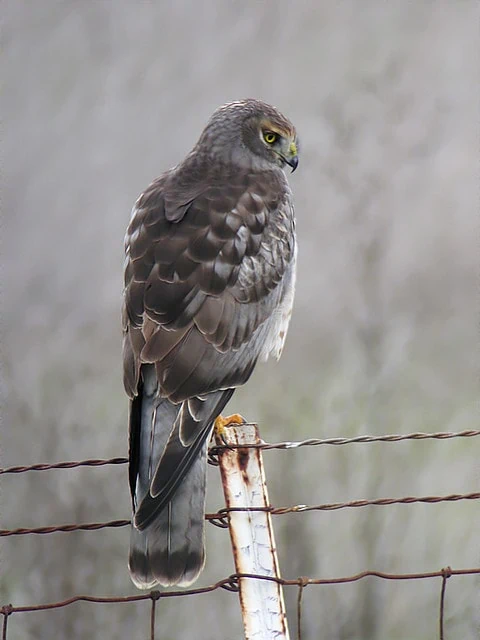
(282,143)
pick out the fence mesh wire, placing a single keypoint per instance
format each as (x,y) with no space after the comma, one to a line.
(220,519)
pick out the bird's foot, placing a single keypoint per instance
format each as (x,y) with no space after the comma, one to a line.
(222,423)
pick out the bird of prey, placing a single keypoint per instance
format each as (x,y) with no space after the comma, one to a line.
(209,285)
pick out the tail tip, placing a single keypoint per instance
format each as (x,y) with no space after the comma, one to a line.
(179,569)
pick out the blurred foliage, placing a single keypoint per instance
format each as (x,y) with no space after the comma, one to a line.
(101,97)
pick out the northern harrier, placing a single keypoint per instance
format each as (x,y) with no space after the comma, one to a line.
(209,285)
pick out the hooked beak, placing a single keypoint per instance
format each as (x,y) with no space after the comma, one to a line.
(292,162)
(292,157)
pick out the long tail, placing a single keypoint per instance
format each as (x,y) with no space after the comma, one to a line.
(168,451)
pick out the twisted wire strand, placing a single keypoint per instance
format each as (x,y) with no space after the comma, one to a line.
(311,442)
(231,583)
(218,518)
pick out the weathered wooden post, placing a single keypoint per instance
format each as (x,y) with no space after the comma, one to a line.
(251,532)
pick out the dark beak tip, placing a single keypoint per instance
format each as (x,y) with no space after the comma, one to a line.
(294,163)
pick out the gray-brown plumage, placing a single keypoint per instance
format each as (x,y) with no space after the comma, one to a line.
(209,283)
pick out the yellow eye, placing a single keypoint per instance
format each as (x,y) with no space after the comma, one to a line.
(269,137)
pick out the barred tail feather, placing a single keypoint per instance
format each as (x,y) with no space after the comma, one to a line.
(168,466)
(171,550)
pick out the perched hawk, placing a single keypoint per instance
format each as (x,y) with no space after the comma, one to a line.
(209,284)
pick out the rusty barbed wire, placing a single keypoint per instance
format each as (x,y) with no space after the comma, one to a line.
(65,528)
(311,442)
(379,502)
(219,518)
(93,462)
(315,442)
(231,583)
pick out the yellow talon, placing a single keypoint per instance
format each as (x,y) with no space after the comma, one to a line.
(221,423)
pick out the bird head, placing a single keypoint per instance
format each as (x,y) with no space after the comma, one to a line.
(278,143)
(251,133)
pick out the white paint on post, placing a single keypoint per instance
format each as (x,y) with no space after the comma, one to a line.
(253,542)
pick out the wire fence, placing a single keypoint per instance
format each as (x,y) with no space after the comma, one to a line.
(230,583)
(220,519)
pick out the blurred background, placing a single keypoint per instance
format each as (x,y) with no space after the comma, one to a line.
(99,99)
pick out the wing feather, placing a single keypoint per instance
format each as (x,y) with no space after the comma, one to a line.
(203,275)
